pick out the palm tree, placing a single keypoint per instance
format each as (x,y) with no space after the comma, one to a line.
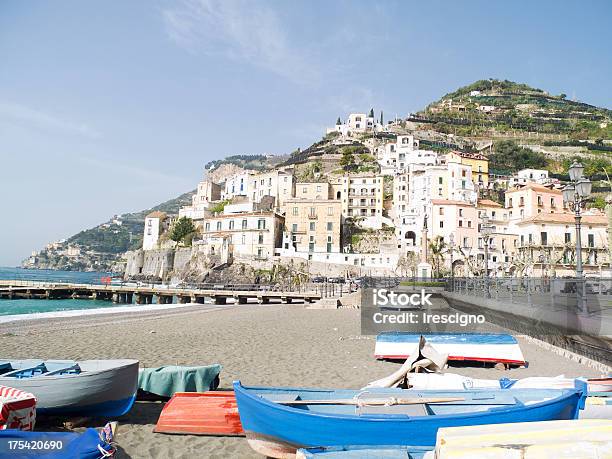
(437,248)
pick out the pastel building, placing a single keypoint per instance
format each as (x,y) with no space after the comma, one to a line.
(532,199)
(248,235)
(313,225)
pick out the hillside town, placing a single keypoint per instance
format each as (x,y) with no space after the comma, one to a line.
(378,203)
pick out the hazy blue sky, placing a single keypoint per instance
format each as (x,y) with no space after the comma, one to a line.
(115,106)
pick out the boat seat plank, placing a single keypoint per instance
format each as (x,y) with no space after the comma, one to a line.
(25,371)
(71,369)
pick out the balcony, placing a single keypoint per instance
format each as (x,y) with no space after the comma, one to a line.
(312,216)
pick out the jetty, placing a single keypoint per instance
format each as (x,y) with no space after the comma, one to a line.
(148,294)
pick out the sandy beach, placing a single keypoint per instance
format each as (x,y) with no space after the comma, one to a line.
(260,345)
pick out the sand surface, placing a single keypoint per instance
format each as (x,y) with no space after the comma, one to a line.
(260,345)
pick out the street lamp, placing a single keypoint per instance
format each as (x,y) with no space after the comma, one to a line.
(486,230)
(575,195)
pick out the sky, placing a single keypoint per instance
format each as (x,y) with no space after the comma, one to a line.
(116,106)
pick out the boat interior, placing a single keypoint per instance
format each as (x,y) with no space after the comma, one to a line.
(29,369)
(406,402)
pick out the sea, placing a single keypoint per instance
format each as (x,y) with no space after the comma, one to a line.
(26,306)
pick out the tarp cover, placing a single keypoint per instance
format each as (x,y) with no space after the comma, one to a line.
(18,444)
(167,380)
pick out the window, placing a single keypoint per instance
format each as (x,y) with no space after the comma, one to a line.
(244,224)
(440,180)
(522,201)
(312,226)
(295,211)
(544,238)
(260,239)
(460,223)
(591,239)
(330,211)
(330,226)
(552,202)
(260,253)
(568,238)
(294,227)
(261,224)
(218,226)
(461,212)
(231,224)
(329,244)
(469,223)
(318,187)
(465,242)
(304,190)
(243,239)
(510,203)
(441,210)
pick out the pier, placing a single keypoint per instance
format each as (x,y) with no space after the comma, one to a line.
(147,294)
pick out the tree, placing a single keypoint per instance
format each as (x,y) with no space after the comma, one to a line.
(338,122)
(437,249)
(508,156)
(371,114)
(381,118)
(182,230)
(348,159)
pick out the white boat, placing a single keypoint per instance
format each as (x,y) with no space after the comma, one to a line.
(77,388)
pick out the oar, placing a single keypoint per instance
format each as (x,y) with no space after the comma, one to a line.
(372,401)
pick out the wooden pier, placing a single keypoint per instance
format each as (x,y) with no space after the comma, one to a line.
(128,294)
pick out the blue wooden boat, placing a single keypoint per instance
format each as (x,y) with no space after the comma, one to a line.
(277,421)
(363,452)
(75,388)
(91,444)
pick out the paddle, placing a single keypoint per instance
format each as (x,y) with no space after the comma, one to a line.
(372,401)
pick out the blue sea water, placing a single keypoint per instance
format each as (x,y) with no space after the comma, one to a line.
(26,306)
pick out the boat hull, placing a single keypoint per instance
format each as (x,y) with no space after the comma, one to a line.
(289,428)
(103,389)
(497,348)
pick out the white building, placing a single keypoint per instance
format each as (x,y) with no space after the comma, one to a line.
(278,184)
(397,156)
(357,123)
(155,224)
(236,185)
(525,176)
(206,193)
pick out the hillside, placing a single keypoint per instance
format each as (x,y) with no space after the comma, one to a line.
(518,126)
(100,248)
(496,107)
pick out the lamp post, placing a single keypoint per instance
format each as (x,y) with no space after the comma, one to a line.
(485,230)
(451,239)
(575,195)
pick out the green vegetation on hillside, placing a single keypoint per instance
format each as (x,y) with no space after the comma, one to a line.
(509,157)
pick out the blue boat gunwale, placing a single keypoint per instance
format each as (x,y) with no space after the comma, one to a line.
(565,394)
